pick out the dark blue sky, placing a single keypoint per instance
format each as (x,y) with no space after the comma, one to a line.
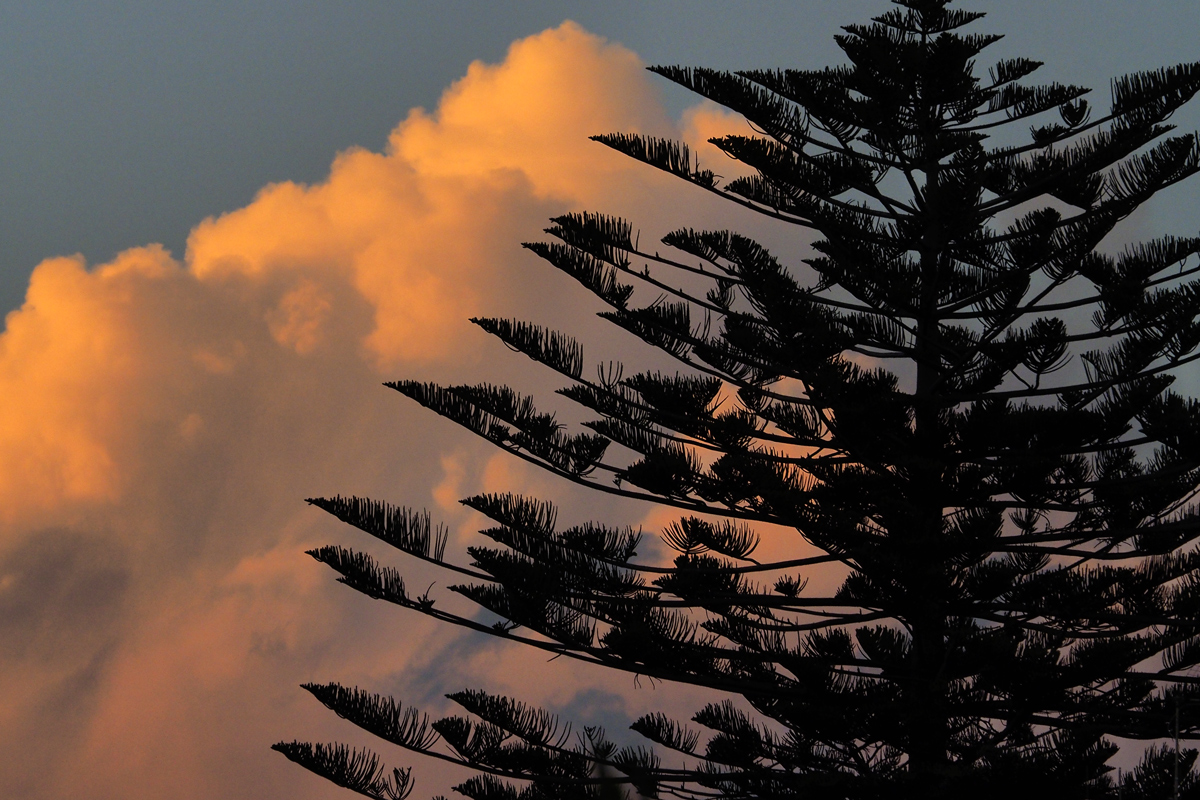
(127,122)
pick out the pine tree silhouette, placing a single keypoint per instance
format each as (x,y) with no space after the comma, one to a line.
(962,398)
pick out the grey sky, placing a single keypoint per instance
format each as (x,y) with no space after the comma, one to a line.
(127,122)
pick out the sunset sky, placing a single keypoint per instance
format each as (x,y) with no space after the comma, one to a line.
(224,226)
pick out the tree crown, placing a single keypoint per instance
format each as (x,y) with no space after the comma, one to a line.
(962,398)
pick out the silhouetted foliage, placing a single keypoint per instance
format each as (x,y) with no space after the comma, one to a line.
(962,399)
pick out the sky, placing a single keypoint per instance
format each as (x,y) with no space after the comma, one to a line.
(225,225)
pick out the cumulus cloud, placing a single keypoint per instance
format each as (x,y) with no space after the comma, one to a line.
(163,418)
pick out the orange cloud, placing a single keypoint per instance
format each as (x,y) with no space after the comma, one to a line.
(533,114)
(426,229)
(163,418)
(67,359)
(710,121)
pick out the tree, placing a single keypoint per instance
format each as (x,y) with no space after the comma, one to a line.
(962,399)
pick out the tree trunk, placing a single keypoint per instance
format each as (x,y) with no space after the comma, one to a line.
(928,759)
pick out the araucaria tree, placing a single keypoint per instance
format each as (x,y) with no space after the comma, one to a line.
(962,398)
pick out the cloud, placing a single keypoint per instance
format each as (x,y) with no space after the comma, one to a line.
(163,418)
(426,230)
(707,121)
